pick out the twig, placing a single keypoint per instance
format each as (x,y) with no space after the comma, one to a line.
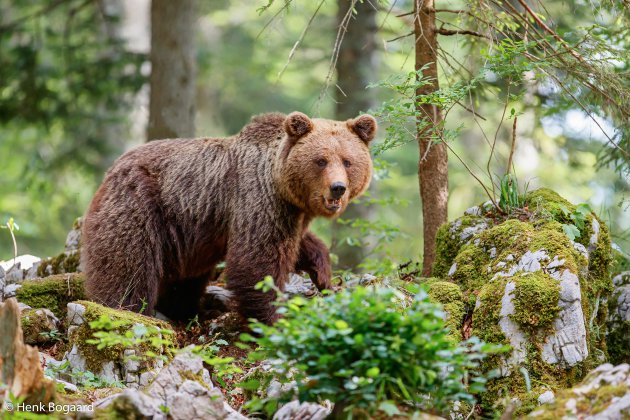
(447,32)
(400,37)
(285,6)
(341,32)
(299,41)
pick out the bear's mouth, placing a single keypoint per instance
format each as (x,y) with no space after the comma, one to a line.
(332,204)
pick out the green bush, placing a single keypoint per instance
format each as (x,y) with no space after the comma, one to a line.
(369,350)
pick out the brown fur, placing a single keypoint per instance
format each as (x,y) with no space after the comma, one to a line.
(169,211)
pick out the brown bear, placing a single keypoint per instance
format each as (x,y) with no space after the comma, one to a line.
(168,211)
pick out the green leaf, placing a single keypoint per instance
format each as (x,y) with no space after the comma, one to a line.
(584,209)
(571,231)
(341,324)
(250,385)
(389,408)
(373,372)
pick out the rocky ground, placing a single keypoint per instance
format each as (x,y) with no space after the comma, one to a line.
(516,279)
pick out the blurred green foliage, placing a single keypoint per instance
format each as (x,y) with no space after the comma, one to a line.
(66,81)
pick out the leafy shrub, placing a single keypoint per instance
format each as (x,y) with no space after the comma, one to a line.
(368,350)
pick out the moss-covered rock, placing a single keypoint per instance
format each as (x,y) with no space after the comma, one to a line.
(532,287)
(40,326)
(452,299)
(54,292)
(603,394)
(117,345)
(66,262)
(451,237)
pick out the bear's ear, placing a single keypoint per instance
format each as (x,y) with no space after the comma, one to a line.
(364,127)
(297,125)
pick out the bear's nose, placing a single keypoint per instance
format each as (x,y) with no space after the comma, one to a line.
(337,189)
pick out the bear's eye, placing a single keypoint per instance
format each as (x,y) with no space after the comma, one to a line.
(321,162)
(347,163)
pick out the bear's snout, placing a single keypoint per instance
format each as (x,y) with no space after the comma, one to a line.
(337,190)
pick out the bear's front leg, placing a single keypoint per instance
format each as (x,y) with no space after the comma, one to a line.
(247,264)
(315,260)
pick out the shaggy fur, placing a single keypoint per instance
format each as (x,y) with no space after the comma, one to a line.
(168,211)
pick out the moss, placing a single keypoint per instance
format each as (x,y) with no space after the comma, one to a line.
(54,292)
(94,356)
(589,404)
(487,314)
(62,263)
(617,343)
(471,271)
(33,323)
(535,300)
(452,299)
(448,242)
(546,202)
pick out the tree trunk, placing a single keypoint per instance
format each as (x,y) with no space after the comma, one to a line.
(356,68)
(173,69)
(433,161)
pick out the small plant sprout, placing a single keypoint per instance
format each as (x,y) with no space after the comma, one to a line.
(12,227)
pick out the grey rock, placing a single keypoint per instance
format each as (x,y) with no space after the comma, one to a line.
(170,378)
(512,332)
(76,314)
(492,252)
(31,273)
(75,359)
(10,290)
(220,293)
(67,386)
(13,275)
(452,270)
(135,404)
(147,377)
(581,249)
(194,401)
(298,285)
(295,410)
(73,240)
(567,343)
(474,211)
(110,372)
(621,279)
(132,364)
(23,306)
(468,232)
(546,397)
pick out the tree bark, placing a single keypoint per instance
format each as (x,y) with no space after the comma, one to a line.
(433,161)
(173,69)
(356,68)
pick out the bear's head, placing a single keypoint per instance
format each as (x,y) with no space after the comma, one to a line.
(323,163)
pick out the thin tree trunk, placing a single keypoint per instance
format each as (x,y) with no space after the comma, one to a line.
(356,68)
(433,162)
(173,69)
